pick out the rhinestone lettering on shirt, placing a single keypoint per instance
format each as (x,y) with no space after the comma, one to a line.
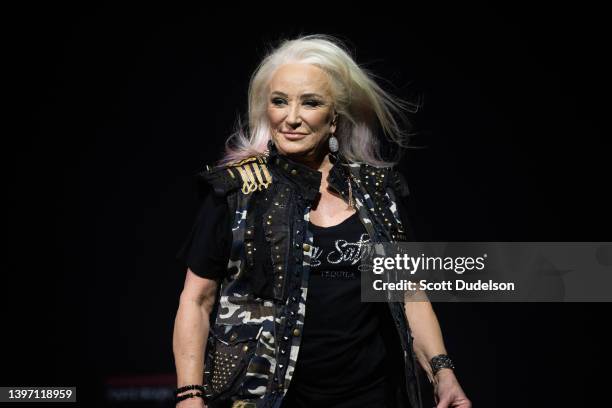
(344,251)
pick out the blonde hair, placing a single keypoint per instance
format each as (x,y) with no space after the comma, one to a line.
(362,105)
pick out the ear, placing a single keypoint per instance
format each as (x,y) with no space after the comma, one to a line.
(334,122)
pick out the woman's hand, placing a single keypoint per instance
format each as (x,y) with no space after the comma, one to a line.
(447,391)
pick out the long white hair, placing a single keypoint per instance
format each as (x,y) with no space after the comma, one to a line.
(362,105)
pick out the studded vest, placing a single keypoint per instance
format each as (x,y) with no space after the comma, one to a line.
(256,323)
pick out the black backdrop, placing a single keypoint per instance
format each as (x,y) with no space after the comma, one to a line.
(122,104)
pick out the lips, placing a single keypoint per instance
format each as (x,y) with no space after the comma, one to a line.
(293,135)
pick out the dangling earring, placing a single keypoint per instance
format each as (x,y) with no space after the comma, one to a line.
(333,144)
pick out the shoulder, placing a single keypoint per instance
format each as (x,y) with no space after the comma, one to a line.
(382,178)
(245,176)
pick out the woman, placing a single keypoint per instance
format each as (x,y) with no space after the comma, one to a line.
(270,315)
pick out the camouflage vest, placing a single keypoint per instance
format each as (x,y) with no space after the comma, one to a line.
(256,324)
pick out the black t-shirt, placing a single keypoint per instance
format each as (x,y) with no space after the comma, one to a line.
(342,360)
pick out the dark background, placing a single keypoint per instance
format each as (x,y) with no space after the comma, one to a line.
(118,106)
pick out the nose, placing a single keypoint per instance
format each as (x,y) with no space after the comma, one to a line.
(293,116)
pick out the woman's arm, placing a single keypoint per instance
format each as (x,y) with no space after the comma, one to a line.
(427,344)
(191,328)
(427,334)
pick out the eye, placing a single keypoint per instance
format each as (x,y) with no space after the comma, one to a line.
(312,102)
(278,101)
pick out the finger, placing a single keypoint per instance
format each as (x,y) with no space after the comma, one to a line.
(461,403)
(465,403)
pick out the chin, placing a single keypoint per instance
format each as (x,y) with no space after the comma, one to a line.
(290,147)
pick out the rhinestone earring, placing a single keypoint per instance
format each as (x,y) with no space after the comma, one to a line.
(333,144)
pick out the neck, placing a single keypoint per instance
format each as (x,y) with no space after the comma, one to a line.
(319,161)
(325,166)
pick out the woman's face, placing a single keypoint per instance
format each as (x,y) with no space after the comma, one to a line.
(300,111)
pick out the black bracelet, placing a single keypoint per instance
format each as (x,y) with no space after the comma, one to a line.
(441,361)
(190,395)
(187,388)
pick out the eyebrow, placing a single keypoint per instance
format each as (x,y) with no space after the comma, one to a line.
(306,95)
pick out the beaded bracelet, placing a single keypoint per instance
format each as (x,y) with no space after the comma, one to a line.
(178,398)
(441,361)
(190,395)
(187,388)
